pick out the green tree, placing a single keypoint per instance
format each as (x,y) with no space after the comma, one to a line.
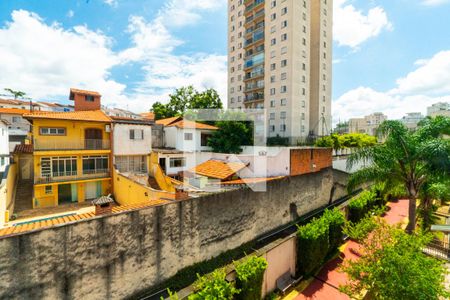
(184,99)
(231,136)
(411,159)
(16,94)
(393,266)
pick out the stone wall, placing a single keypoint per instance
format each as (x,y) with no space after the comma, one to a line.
(112,257)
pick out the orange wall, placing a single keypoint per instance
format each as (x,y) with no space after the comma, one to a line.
(304,161)
(82,104)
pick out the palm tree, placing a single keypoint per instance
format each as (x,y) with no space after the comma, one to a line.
(410,159)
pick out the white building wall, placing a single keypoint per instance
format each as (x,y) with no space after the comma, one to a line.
(123,145)
(4,147)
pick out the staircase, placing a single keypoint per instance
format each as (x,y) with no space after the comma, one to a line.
(24,196)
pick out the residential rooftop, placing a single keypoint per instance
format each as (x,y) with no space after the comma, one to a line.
(88,116)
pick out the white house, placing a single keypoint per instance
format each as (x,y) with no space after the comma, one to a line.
(132,143)
(4,145)
(184,135)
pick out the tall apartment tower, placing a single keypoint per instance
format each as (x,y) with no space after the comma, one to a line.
(280,58)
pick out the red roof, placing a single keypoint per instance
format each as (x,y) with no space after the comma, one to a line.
(218,169)
(14,111)
(88,115)
(23,148)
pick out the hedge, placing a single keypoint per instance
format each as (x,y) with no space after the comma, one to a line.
(361,205)
(335,220)
(214,286)
(312,246)
(249,278)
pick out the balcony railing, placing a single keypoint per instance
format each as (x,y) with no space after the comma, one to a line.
(88,144)
(254,97)
(72,176)
(251,6)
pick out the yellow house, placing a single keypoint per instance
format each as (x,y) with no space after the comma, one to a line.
(71,156)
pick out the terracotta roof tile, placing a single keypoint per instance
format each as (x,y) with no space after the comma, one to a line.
(84,92)
(89,115)
(23,148)
(14,111)
(186,124)
(148,115)
(218,169)
(168,121)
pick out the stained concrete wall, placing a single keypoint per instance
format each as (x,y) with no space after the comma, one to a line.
(116,256)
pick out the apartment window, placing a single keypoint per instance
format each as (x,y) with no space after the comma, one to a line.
(284,37)
(303,78)
(95,164)
(303,116)
(273,66)
(232,100)
(324,77)
(284,24)
(232,39)
(283,102)
(2,161)
(273,16)
(303,103)
(324,44)
(232,90)
(283,115)
(232,79)
(272,54)
(304,29)
(52,131)
(283,76)
(323,98)
(272,116)
(204,137)
(303,128)
(273,4)
(272,128)
(89,98)
(284,63)
(273,41)
(48,189)
(272,78)
(136,134)
(304,16)
(177,162)
(284,50)
(15,119)
(273,29)
(272,103)
(304,41)
(58,166)
(188,136)
(284,11)
(324,55)
(304,67)
(239,98)
(283,127)
(272,91)
(324,88)
(283,89)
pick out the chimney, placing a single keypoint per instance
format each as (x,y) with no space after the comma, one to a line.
(103,205)
(85,100)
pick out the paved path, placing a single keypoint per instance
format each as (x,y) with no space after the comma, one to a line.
(326,284)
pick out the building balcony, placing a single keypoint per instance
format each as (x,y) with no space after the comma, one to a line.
(250,7)
(254,97)
(88,144)
(72,176)
(253,87)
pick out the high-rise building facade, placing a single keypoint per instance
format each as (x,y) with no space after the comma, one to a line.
(280,59)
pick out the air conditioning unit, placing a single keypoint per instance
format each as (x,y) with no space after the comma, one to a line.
(108,128)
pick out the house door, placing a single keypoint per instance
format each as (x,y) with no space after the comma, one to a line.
(25,168)
(93,138)
(93,190)
(64,193)
(162,164)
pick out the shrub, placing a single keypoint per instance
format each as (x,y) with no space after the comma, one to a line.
(214,286)
(312,246)
(335,220)
(250,274)
(361,205)
(360,230)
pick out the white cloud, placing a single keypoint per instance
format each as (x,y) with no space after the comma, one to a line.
(434,2)
(428,84)
(431,78)
(353,27)
(112,3)
(80,57)
(70,13)
(58,60)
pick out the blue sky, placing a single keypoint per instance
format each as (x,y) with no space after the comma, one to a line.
(389,55)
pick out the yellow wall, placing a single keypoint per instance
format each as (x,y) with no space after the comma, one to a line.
(162,179)
(127,192)
(48,200)
(7,194)
(74,130)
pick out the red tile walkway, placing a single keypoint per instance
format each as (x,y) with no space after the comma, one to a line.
(327,282)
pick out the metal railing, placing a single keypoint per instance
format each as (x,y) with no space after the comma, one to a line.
(72,176)
(438,249)
(88,144)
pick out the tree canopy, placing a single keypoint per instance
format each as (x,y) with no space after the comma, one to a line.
(184,99)
(393,266)
(15,94)
(349,140)
(411,159)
